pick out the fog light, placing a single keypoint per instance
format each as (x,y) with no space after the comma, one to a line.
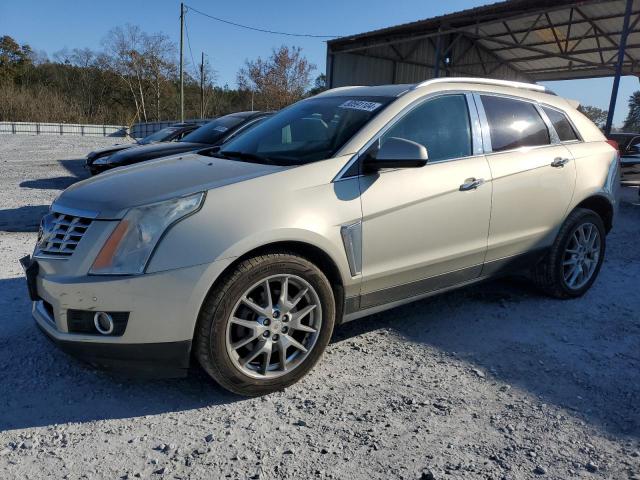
(103,323)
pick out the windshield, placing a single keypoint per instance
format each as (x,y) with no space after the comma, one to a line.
(210,133)
(308,131)
(159,136)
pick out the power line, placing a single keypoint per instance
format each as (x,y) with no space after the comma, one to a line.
(247,27)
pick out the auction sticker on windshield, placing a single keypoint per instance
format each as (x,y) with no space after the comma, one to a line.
(360,105)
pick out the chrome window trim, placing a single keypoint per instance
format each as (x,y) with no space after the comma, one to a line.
(516,98)
(477,142)
(568,118)
(553,135)
(486,131)
(414,104)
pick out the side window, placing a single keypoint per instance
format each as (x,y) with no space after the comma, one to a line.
(442,125)
(514,123)
(563,127)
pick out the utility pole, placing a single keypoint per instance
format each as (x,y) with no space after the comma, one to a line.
(182,62)
(202,86)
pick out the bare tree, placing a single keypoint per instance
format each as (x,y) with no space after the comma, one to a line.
(278,81)
(123,46)
(160,62)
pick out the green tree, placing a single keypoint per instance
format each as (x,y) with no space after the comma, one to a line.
(13,57)
(319,85)
(632,122)
(595,114)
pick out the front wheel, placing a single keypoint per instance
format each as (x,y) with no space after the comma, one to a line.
(266,324)
(574,261)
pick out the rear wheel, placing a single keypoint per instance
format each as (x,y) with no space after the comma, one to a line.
(266,324)
(574,261)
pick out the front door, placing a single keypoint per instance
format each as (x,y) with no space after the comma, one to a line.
(426,228)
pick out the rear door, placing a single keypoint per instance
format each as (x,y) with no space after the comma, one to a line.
(533,177)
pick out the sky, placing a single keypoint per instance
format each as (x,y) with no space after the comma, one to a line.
(53,25)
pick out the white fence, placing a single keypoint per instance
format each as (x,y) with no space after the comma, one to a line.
(34,128)
(138,130)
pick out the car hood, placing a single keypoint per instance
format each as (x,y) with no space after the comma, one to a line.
(111,194)
(107,150)
(151,151)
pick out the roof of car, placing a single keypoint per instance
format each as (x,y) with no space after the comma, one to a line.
(397,90)
(369,91)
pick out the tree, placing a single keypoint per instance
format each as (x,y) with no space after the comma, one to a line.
(595,114)
(14,59)
(319,85)
(279,80)
(632,122)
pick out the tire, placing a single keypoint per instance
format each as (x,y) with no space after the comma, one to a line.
(550,275)
(217,334)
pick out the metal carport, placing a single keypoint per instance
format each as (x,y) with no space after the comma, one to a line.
(527,40)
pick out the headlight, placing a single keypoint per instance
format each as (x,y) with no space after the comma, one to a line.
(128,249)
(102,160)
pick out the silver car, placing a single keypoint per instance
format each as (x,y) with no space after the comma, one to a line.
(344,204)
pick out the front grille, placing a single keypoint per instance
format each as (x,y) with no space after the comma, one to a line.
(61,233)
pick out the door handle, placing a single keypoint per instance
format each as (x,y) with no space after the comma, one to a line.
(471,184)
(559,162)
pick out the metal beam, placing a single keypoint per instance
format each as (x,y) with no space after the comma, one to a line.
(616,79)
(409,37)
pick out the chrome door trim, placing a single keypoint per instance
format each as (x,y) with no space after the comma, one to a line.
(482,115)
(553,135)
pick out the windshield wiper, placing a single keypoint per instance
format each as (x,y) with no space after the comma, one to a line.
(250,157)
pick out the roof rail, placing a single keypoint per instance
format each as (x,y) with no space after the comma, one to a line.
(484,81)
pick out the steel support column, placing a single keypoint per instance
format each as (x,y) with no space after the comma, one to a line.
(616,79)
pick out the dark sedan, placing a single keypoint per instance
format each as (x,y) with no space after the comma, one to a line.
(210,134)
(169,134)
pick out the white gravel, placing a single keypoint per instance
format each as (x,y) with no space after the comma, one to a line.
(491,382)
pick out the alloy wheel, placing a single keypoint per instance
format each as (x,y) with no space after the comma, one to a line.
(581,255)
(274,326)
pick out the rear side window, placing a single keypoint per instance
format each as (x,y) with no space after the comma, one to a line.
(514,123)
(442,125)
(563,127)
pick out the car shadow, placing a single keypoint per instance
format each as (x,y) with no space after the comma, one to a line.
(75,166)
(53,183)
(525,340)
(22,219)
(43,386)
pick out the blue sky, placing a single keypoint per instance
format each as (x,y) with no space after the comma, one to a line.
(53,25)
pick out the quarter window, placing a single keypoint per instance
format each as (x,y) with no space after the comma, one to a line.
(514,123)
(563,127)
(442,125)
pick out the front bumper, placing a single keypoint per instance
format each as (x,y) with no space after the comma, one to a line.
(163,308)
(150,360)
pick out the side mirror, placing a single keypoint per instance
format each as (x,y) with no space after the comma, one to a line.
(398,153)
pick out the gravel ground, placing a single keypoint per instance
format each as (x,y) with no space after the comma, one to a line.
(491,382)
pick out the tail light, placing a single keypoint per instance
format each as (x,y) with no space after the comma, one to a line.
(615,145)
